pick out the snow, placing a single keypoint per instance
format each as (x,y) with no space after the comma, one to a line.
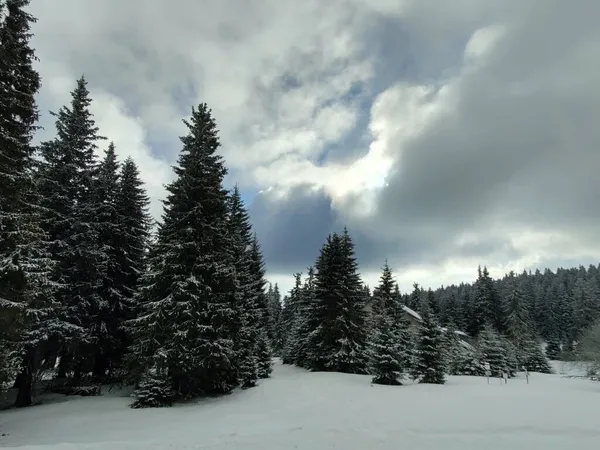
(412,312)
(313,411)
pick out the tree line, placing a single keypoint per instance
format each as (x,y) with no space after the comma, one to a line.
(332,321)
(88,291)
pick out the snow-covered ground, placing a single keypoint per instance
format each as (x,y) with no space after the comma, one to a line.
(312,411)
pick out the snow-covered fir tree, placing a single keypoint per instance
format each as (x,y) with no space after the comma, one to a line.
(274,328)
(113,302)
(264,356)
(132,241)
(191,294)
(338,341)
(155,389)
(28,313)
(387,310)
(553,349)
(246,333)
(303,326)
(261,311)
(513,354)
(385,363)
(486,306)
(292,320)
(429,361)
(67,176)
(532,357)
(517,322)
(492,350)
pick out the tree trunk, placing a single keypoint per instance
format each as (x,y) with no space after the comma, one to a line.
(63,364)
(24,382)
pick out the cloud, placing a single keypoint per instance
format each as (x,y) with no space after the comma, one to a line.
(443,137)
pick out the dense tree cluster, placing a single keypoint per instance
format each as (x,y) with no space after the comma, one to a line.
(319,317)
(85,291)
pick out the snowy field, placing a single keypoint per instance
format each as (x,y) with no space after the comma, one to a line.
(312,411)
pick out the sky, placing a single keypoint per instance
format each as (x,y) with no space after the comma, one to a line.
(444,135)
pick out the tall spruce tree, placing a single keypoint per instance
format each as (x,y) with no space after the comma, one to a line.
(246,333)
(390,342)
(67,178)
(132,242)
(257,274)
(191,293)
(517,324)
(274,322)
(337,318)
(303,326)
(292,319)
(113,299)
(28,319)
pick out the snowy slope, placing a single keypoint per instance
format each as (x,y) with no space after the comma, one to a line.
(312,411)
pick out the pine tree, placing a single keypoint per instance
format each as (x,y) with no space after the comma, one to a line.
(385,363)
(257,274)
(264,356)
(155,389)
(114,301)
(303,326)
(512,353)
(132,242)
(28,319)
(67,177)
(486,306)
(246,334)
(291,319)
(534,359)
(414,300)
(429,355)
(553,349)
(461,358)
(492,350)
(337,318)
(275,318)
(191,293)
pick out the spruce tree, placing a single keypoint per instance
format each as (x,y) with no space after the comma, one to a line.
(246,333)
(387,305)
(264,356)
(486,306)
(386,365)
(28,313)
(492,350)
(533,357)
(191,293)
(303,326)
(109,228)
(429,361)
(275,317)
(67,178)
(257,275)
(461,358)
(292,320)
(517,323)
(414,300)
(553,349)
(132,238)
(337,319)
(155,389)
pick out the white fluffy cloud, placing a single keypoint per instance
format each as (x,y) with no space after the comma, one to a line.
(495,108)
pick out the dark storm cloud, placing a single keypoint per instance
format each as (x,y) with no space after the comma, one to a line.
(291,231)
(519,148)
